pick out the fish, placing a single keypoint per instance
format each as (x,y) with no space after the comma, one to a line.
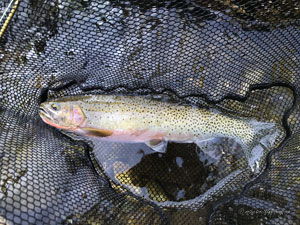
(136,119)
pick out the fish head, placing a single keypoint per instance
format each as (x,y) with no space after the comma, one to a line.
(63,115)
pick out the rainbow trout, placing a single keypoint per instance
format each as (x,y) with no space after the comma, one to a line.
(138,119)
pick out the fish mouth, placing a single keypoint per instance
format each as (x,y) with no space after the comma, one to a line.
(44,113)
(42,109)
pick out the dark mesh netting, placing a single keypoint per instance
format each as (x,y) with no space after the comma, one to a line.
(239,57)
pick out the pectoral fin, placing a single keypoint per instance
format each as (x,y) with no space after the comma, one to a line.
(158,145)
(93,132)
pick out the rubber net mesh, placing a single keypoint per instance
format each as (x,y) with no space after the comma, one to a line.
(241,57)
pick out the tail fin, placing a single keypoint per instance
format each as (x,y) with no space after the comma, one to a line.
(264,136)
(256,140)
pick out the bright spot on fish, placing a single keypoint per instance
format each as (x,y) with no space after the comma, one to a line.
(179,161)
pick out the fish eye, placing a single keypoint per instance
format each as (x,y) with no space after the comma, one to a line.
(55,107)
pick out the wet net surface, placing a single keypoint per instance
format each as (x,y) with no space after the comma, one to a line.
(241,57)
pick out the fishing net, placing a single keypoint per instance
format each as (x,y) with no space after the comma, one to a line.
(240,57)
